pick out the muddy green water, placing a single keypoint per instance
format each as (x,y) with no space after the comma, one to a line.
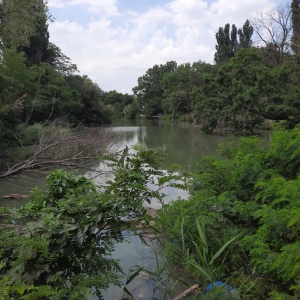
(183,144)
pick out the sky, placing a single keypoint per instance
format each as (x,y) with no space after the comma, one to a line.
(116,41)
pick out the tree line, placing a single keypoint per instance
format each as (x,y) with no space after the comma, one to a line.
(38,82)
(247,84)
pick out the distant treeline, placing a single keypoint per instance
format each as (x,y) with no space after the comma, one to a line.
(246,85)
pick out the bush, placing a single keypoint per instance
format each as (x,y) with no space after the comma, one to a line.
(250,191)
(28,134)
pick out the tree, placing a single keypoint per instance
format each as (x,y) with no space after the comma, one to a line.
(19,21)
(274,30)
(295,10)
(17,90)
(224,44)
(117,102)
(228,43)
(245,91)
(36,51)
(245,35)
(150,90)
(59,61)
(132,110)
(177,88)
(93,110)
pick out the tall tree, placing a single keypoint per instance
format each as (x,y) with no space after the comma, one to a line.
(177,88)
(59,61)
(228,43)
(295,10)
(223,44)
(18,21)
(37,49)
(245,35)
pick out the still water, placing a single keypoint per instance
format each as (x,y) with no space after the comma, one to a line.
(184,145)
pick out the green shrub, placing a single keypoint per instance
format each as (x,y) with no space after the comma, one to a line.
(28,134)
(251,191)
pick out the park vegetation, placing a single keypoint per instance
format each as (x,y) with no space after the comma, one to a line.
(59,244)
(241,223)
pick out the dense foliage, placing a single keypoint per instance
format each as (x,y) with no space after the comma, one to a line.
(64,248)
(38,83)
(250,197)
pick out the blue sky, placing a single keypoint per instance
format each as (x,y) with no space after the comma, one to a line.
(116,41)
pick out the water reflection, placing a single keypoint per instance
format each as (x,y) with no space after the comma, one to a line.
(131,254)
(183,144)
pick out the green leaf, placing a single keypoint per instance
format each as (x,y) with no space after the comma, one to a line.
(218,253)
(201,270)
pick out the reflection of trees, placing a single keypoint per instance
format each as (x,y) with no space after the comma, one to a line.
(184,145)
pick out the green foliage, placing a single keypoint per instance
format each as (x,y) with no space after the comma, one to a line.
(37,81)
(150,89)
(18,21)
(28,134)
(131,111)
(133,173)
(227,41)
(250,191)
(204,261)
(177,87)
(245,91)
(119,102)
(70,230)
(295,10)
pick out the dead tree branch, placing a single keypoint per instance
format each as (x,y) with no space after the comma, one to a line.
(274,31)
(60,145)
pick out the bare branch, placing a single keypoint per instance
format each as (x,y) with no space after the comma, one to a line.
(274,30)
(60,145)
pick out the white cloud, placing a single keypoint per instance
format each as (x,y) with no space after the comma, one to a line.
(55,4)
(189,12)
(116,47)
(108,7)
(234,13)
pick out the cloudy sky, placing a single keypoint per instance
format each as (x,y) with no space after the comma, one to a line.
(116,41)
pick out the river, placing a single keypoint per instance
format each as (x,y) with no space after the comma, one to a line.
(183,145)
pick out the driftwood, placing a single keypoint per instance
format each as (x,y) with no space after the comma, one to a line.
(187,292)
(15,196)
(12,226)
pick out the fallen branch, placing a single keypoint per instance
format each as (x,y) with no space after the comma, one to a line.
(15,196)
(60,145)
(12,226)
(187,292)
